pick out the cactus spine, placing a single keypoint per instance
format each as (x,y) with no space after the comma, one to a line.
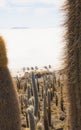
(73,61)
(9,106)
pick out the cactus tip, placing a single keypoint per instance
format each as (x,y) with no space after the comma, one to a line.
(3,55)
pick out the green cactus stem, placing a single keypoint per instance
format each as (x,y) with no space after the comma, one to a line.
(49,106)
(38,84)
(46,123)
(62,101)
(35,91)
(32,123)
(28,92)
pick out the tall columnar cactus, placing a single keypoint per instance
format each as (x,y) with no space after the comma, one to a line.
(44,79)
(21,101)
(73,61)
(54,77)
(56,96)
(25,86)
(27,123)
(54,82)
(62,100)
(46,123)
(28,92)
(32,124)
(38,84)
(49,106)
(58,82)
(9,106)
(35,91)
(18,83)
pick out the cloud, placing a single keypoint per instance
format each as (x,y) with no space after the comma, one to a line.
(44,1)
(24,2)
(30,13)
(4,3)
(38,6)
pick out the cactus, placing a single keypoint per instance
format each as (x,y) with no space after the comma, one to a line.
(9,106)
(49,106)
(46,88)
(31,101)
(54,78)
(38,84)
(42,90)
(31,108)
(73,62)
(21,101)
(27,123)
(54,84)
(56,99)
(39,126)
(44,79)
(46,123)
(58,82)
(18,83)
(32,124)
(28,92)
(36,102)
(51,90)
(62,101)
(25,87)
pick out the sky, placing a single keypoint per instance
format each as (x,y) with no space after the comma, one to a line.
(33,32)
(30,13)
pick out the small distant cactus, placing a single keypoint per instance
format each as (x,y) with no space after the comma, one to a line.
(28,92)
(9,105)
(32,123)
(56,99)
(39,126)
(18,83)
(31,101)
(46,123)
(62,101)
(21,101)
(58,82)
(38,84)
(51,91)
(25,87)
(27,123)
(49,106)
(54,77)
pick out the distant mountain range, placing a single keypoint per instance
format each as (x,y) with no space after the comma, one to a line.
(20,28)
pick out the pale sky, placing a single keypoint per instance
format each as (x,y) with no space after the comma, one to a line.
(30,13)
(40,43)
